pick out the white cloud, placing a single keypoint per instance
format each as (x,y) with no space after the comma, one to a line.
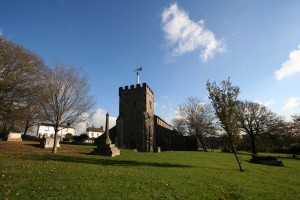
(164,97)
(290,66)
(184,35)
(292,103)
(97,120)
(1,33)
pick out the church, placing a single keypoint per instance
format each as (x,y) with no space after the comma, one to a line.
(138,128)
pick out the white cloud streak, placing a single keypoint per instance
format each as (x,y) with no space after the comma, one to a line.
(184,35)
(291,104)
(164,97)
(290,66)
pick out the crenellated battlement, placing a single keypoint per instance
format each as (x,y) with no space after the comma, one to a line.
(136,87)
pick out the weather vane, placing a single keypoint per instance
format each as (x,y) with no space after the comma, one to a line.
(137,74)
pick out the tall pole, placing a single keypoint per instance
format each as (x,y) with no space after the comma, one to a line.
(108,141)
(137,77)
(137,74)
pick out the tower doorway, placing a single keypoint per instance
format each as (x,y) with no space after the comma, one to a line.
(133,144)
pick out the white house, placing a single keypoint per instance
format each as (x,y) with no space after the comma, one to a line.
(47,130)
(94,132)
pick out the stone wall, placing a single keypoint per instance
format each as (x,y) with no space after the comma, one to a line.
(135,123)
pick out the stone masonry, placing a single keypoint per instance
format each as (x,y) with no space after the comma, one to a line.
(135,123)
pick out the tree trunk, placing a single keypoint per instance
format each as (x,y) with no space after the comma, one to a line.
(26,128)
(202,144)
(54,149)
(4,132)
(253,146)
(238,161)
(235,154)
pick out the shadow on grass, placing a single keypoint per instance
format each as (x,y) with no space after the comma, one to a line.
(102,161)
(34,145)
(286,156)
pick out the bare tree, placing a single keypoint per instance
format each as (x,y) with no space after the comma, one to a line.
(65,97)
(32,116)
(20,70)
(287,132)
(255,119)
(196,118)
(224,101)
(296,123)
(179,125)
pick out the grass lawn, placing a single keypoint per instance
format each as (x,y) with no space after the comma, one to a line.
(28,172)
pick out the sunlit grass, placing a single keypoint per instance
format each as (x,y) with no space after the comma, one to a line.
(75,174)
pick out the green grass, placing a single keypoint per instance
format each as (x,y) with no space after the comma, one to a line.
(33,173)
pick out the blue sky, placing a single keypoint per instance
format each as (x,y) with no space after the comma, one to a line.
(179,44)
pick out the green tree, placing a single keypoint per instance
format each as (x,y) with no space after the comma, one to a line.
(83,137)
(69,137)
(224,101)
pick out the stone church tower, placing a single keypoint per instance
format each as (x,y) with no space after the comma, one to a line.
(135,123)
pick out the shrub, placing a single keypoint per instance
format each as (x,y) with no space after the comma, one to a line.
(295,148)
(68,137)
(81,138)
(225,149)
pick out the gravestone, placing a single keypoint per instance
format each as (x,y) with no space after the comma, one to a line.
(158,150)
(48,142)
(14,137)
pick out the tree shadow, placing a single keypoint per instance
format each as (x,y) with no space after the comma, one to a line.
(34,145)
(99,160)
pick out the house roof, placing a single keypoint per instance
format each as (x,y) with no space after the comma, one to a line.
(162,122)
(94,129)
(61,126)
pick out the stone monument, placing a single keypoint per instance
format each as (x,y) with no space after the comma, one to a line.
(106,148)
